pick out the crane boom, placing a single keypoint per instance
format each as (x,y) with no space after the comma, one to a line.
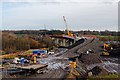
(68,32)
(65,22)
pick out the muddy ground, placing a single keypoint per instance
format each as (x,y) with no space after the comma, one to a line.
(58,62)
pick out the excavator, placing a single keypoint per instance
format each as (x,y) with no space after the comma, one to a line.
(106,49)
(111,49)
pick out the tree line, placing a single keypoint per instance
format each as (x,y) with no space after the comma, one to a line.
(13,43)
(60,32)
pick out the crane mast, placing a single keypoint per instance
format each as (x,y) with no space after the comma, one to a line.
(68,32)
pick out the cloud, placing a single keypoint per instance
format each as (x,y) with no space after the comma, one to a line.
(60,1)
(0,16)
(92,15)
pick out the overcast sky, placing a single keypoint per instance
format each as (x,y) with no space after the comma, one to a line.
(80,14)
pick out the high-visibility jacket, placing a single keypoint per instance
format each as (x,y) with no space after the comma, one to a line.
(73,64)
(35,60)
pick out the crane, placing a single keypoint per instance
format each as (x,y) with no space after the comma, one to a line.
(68,32)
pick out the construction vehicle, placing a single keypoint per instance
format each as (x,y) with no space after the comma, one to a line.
(72,66)
(111,49)
(68,32)
(106,49)
(105,53)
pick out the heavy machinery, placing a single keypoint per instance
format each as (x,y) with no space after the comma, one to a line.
(106,49)
(111,49)
(72,66)
(68,32)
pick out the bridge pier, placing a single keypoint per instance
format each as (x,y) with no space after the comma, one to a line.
(57,41)
(70,42)
(63,41)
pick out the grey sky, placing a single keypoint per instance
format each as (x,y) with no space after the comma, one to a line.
(80,14)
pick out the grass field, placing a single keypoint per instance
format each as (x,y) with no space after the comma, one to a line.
(102,77)
(109,38)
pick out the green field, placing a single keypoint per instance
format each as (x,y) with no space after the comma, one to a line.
(102,77)
(109,38)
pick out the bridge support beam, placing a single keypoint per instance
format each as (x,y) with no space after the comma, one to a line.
(64,42)
(61,43)
(57,41)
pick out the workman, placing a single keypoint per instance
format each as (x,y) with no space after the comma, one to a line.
(35,60)
(22,60)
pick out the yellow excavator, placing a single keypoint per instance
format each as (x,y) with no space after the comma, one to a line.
(73,72)
(68,32)
(107,49)
(111,49)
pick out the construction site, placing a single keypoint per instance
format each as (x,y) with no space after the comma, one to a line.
(74,57)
